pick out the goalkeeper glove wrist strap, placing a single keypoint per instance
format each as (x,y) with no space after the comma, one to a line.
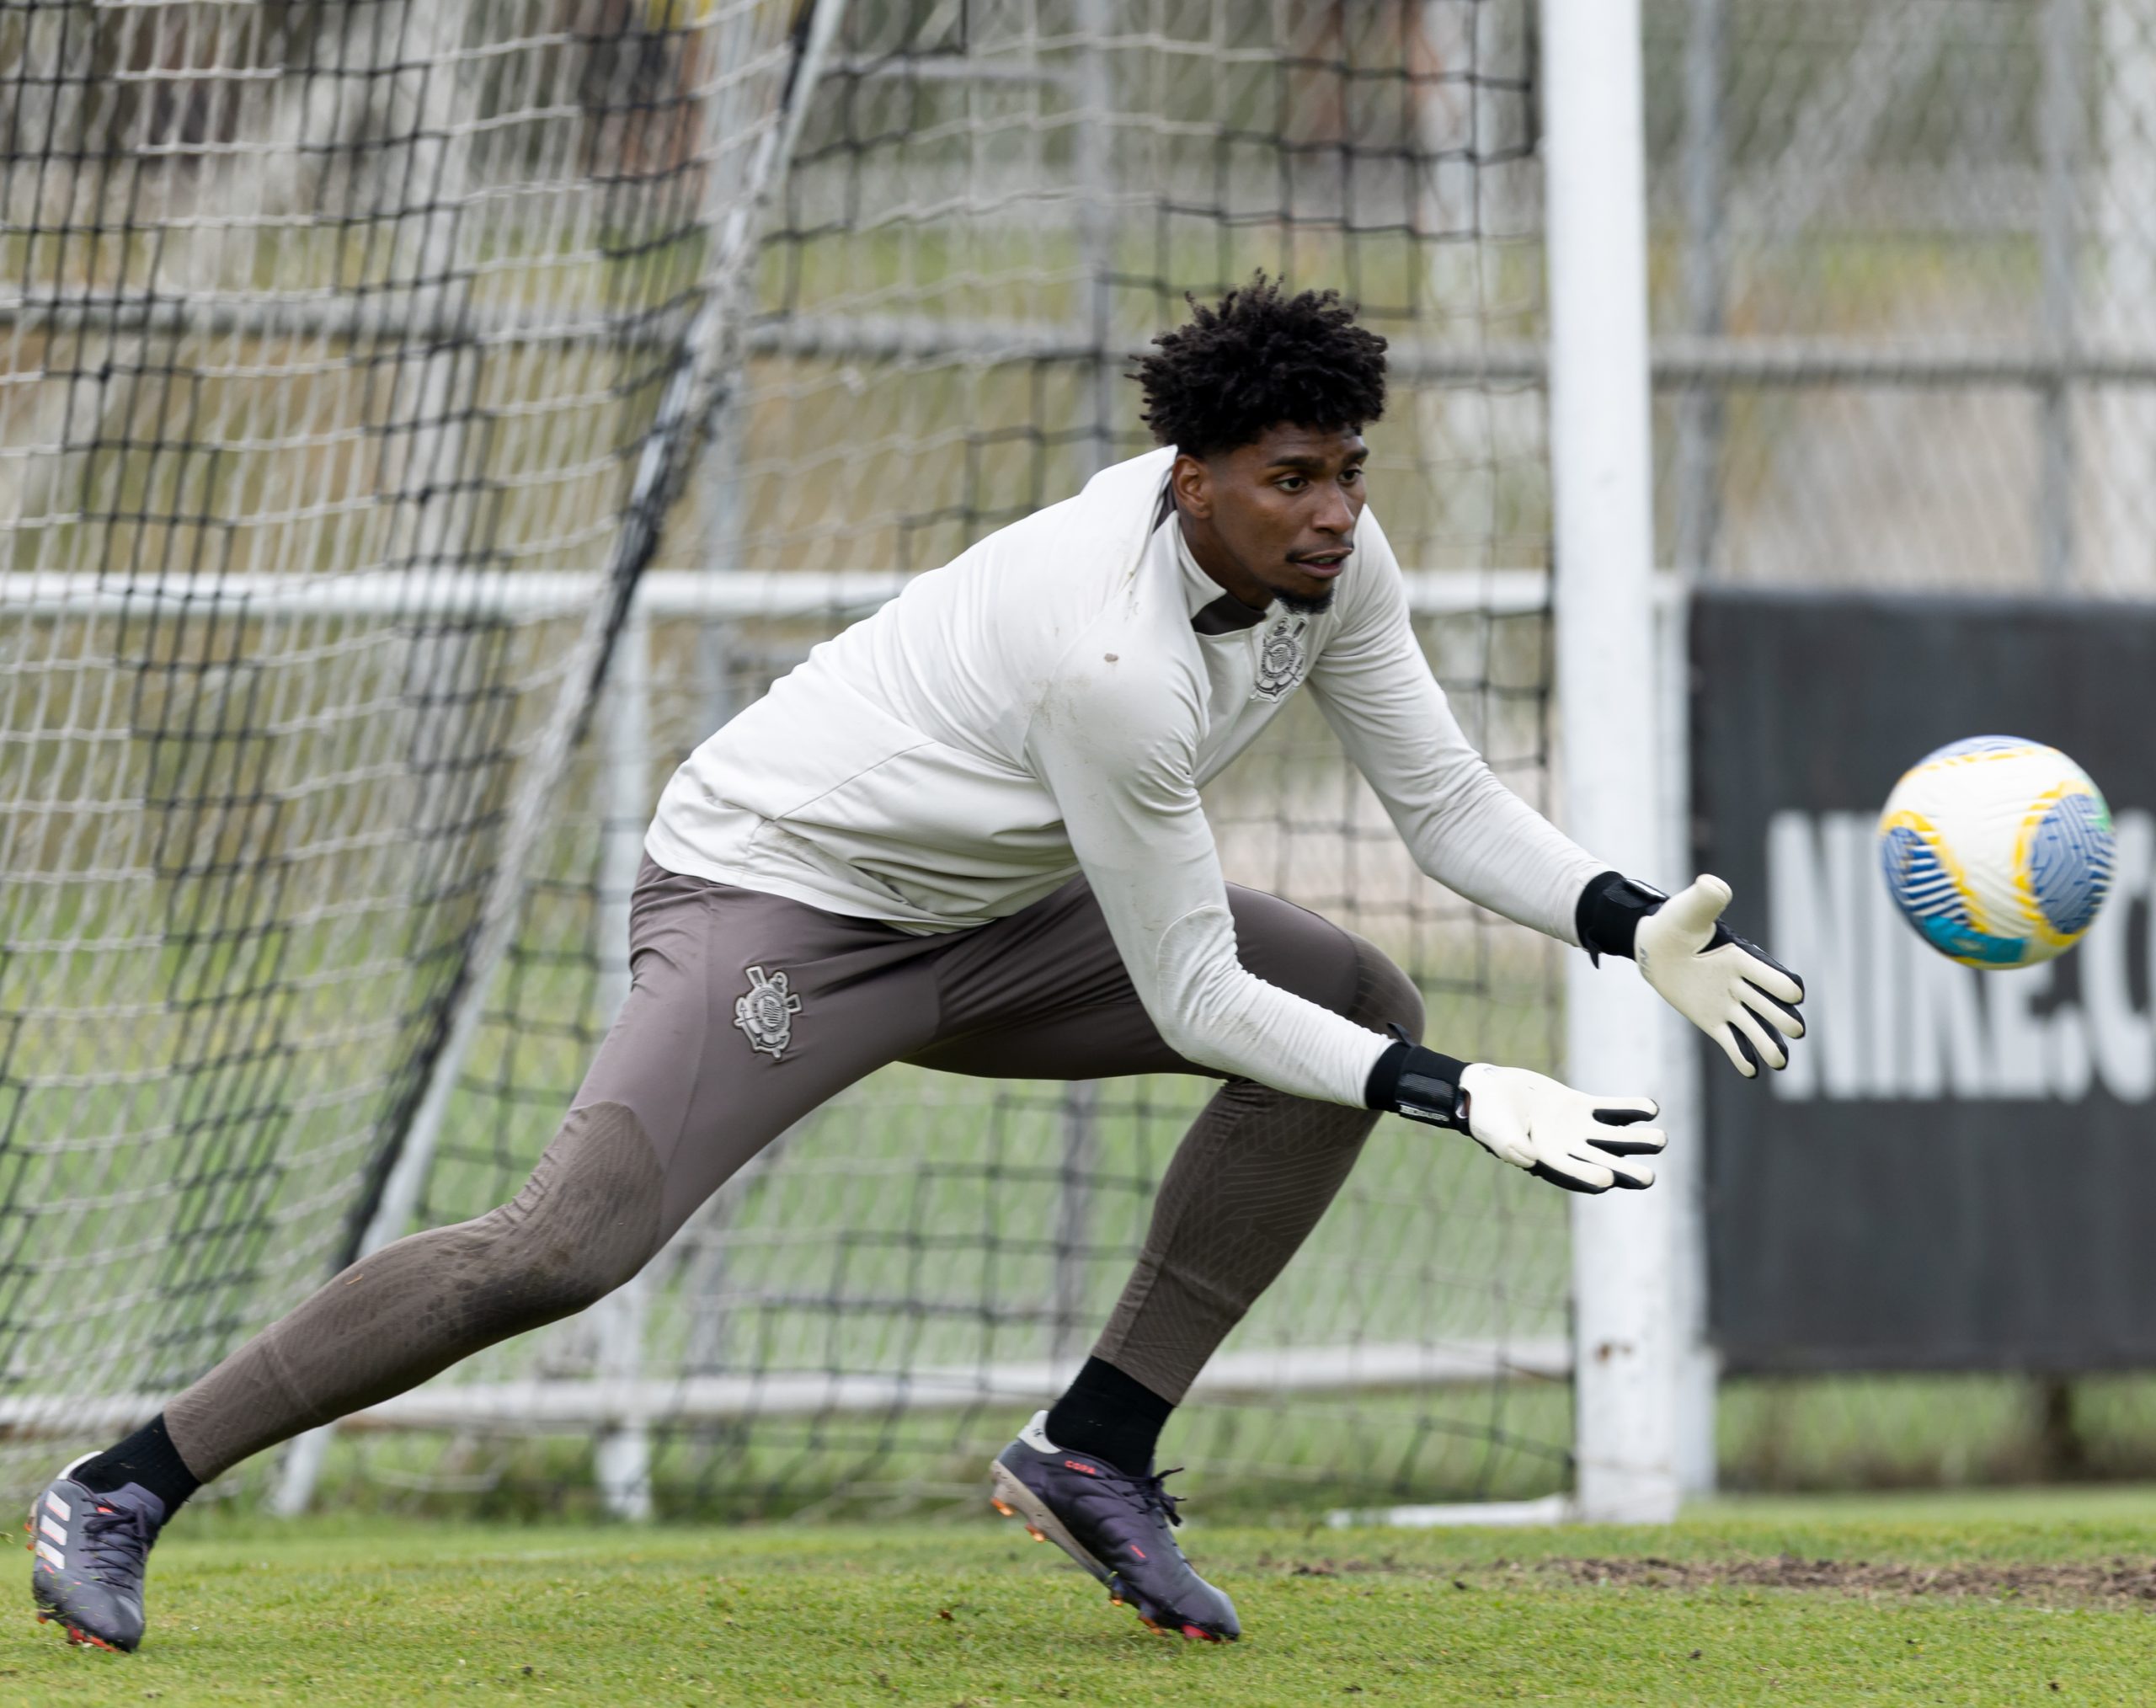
(1607,917)
(1408,1080)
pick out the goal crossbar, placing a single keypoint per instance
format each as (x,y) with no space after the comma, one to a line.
(659,593)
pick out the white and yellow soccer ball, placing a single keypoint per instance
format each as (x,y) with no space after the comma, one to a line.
(1999,851)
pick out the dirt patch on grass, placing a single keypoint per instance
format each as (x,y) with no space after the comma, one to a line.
(2116,1582)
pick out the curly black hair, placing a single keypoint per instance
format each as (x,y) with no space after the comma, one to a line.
(1256,359)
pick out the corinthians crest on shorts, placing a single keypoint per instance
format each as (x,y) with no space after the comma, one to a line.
(1281,657)
(766,1015)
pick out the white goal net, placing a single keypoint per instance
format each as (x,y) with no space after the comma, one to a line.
(339,368)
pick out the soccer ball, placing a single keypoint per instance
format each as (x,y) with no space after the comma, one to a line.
(1999,851)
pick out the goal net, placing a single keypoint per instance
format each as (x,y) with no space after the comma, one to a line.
(257,840)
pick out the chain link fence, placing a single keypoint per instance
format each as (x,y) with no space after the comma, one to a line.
(1904,260)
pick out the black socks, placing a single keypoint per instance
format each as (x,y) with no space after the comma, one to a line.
(146,1458)
(1110,1415)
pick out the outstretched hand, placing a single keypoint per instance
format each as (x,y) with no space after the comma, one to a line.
(1566,1137)
(1732,990)
(1582,1143)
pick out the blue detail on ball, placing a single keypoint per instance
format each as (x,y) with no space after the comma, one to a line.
(2070,863)
(1918,879)
(1974,743)
(1923,889)
(1965,942)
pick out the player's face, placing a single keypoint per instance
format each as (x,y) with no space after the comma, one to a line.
(1276,519)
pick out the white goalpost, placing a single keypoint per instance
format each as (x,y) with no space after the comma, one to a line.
(1628,1306)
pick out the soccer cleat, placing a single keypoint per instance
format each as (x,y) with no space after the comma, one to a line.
(89,1554)
(1115,1525)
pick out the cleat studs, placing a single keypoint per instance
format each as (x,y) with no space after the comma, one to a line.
(1197,1635)
(1036,1533)
(1002,1506)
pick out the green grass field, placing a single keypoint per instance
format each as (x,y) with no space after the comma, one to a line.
(2006,1597)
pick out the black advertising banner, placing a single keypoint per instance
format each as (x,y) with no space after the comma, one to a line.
(1958,1170)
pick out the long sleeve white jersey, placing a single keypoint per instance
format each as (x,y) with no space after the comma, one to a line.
(1051,702)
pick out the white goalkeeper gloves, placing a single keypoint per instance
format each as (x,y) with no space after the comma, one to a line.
(1732,990)
(1737,994)
(1566,1137)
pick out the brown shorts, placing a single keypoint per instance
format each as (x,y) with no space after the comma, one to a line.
(747,1011)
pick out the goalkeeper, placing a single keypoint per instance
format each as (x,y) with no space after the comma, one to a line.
(966,834)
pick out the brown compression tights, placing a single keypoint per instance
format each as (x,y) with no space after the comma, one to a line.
(586,1221)
(677,1100)
(1249,1181)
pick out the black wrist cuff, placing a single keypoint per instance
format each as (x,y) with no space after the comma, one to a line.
(1609,911)
(1384,1076)
(1419,1083)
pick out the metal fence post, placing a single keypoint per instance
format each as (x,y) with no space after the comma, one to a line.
(2124,210)
(621,1452)
(1683,1172)
(1700,412)
(1701,408)
(2059,128)
(1095,174)
(1073,1217)
(1078,1129)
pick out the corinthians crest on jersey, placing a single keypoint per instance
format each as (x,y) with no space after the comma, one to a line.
(765,1014)
(1282,655)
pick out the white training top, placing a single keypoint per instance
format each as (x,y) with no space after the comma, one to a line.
(1051,702)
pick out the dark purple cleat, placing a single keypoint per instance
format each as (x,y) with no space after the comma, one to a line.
(1114,1524)
(89,1553)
